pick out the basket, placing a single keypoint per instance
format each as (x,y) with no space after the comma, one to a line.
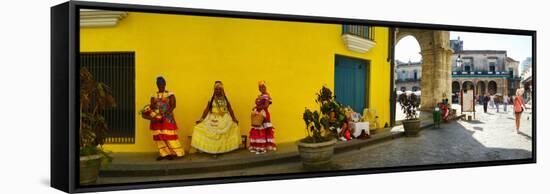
(257,118)
(150,114)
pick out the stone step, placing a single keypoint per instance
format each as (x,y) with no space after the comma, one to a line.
(144,164)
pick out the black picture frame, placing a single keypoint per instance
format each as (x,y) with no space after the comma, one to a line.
(64,108)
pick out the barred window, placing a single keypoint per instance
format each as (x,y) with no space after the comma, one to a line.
(117,70)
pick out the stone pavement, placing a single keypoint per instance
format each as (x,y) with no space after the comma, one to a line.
(490,137)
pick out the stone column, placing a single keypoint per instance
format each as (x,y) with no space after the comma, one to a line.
(443,42)
(503,86)
(427,102)
(436,71)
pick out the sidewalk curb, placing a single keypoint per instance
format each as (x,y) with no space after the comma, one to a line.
(342,147)
(166,169)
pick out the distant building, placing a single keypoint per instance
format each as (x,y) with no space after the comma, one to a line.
(526,64)
(408,76)
(527,83)
(485,71)
(457,45)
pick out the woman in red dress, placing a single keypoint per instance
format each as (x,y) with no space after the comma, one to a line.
(164,130)
(262,137)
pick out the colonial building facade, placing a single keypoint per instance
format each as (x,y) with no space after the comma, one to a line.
(408,76)
(485,71)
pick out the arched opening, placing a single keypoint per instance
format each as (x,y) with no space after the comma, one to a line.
(468,85)
(408,68)
(431,48)
(456,91)
(480,88)
(492,87)
(407,49)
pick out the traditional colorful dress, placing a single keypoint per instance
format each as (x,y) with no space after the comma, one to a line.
(262,138)
(165,130)
(218,133)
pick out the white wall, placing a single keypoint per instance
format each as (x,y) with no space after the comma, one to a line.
(25,162)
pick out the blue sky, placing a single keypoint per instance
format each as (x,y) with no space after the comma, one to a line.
(518,47)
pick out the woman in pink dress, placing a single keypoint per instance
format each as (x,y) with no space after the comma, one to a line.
(519,106)
(262,137)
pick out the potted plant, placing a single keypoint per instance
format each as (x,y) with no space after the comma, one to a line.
(409,104)
(95,97)
(317,148)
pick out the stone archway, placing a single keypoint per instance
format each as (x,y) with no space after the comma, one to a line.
(456,91)
(480,88)
(492,87)
(436,64)
(468,85)
(456,87)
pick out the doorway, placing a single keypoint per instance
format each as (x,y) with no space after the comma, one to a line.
(351,82)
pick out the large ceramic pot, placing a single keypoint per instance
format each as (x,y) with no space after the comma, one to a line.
(89,168)
(316,156)
(412,127)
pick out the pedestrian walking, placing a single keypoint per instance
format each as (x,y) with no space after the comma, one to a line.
(492,101)
(519,107)
(480,99)
(497,102)
(486,100)
(505,101)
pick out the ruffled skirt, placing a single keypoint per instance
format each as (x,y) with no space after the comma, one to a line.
(216,134)
(262,138)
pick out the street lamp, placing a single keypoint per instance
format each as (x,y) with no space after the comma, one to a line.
(458,61)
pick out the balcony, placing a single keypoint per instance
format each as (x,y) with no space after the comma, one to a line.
(358,38)
(482,73)
(408,80)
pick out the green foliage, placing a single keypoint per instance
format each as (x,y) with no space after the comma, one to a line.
(324,95)
(94,150)
(95,97)
(321,126)
(409,105)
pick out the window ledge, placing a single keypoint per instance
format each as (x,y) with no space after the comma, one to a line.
(100,18)
(357,44)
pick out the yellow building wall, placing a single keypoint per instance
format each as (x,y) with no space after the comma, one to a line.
(192,52)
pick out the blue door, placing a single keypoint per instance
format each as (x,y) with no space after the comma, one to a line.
(350,82)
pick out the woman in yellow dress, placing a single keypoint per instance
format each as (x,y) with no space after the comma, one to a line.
(217,131)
